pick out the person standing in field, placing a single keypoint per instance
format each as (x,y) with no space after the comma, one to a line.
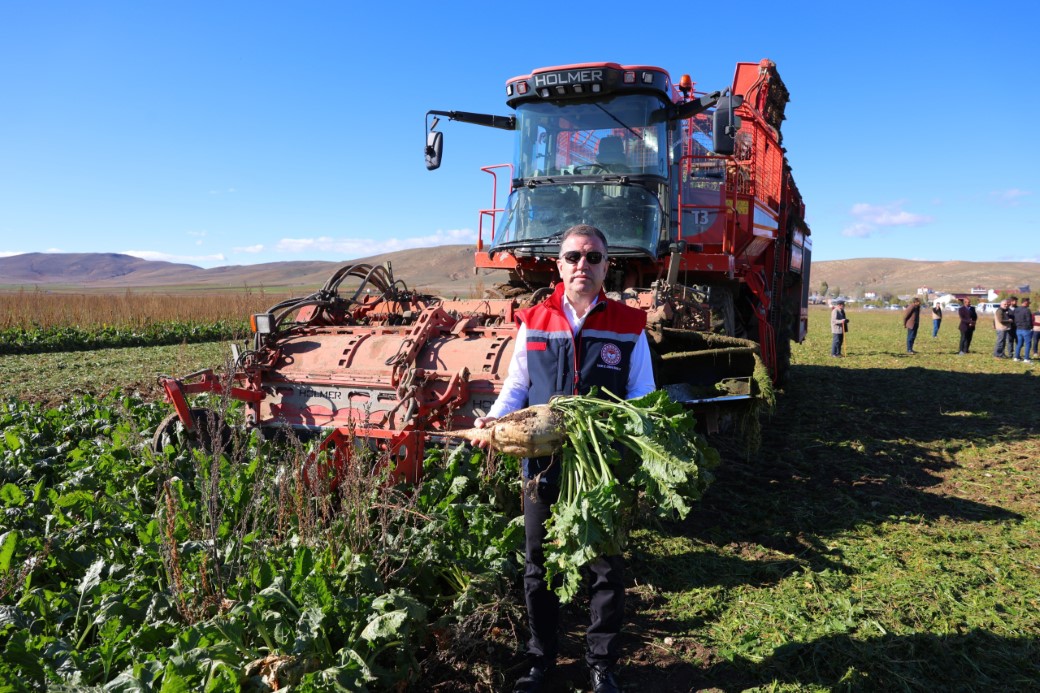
(967,315)
(839,325)
(936,319)
(911,321)
(1002,324)
(1035,348)
(1012,333)
(574,340)
(1023,319)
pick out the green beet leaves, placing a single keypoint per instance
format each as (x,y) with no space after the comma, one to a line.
(617,451)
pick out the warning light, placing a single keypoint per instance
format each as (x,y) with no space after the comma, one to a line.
(262,323)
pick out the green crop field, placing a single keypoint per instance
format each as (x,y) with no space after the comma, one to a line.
(886,536)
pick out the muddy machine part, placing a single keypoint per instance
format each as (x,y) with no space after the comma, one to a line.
(377,363)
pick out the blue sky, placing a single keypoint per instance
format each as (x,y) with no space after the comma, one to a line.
(233,133)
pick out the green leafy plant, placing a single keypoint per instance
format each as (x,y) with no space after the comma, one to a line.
(182,570)
(52,338)
(616,449)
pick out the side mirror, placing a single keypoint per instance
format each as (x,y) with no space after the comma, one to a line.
(725,124)
(434,149)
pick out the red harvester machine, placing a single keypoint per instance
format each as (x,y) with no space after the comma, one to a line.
(707,234)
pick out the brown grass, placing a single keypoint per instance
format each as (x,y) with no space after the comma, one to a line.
(31,308)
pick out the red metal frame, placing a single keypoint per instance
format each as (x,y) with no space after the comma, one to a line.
(420,391)
(176,392)
(494,209)
(406,447)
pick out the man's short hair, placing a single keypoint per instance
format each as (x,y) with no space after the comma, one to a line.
(586,230)
(1025,300)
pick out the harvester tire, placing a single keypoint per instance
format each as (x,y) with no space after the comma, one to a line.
(211,433)
(783,356)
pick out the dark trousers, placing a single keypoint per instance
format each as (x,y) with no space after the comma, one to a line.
(966,339)
(836,342)
(1002,343)
(606,589)
(911,337)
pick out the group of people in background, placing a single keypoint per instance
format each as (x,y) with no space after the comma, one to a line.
(1017,328)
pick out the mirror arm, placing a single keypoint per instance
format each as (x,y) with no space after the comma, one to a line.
(689,109)
(491,121)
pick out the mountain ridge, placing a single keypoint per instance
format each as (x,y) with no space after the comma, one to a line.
(449,269)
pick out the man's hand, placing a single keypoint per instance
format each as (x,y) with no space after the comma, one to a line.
(483,422)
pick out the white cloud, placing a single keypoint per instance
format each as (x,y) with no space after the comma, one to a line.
(11,253)
(258,248)
(358,247)
(198,234)
(1011,198)
(871,219)
(858,231)
(170,257)
(1016,258)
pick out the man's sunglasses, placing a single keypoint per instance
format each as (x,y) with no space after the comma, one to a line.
(593,258)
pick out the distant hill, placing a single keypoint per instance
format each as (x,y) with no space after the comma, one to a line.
(448,269)
(442,269)
(853,277)
(83,268)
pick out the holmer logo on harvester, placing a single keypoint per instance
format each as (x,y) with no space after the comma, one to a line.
(706,232)
(551,79)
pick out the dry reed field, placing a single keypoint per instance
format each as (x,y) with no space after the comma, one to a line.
(40,309)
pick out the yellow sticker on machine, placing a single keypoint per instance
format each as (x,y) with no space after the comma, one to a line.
(741,206)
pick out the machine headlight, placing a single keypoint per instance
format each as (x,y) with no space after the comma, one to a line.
(262,323)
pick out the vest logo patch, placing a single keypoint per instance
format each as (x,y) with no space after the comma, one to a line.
(610,354)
